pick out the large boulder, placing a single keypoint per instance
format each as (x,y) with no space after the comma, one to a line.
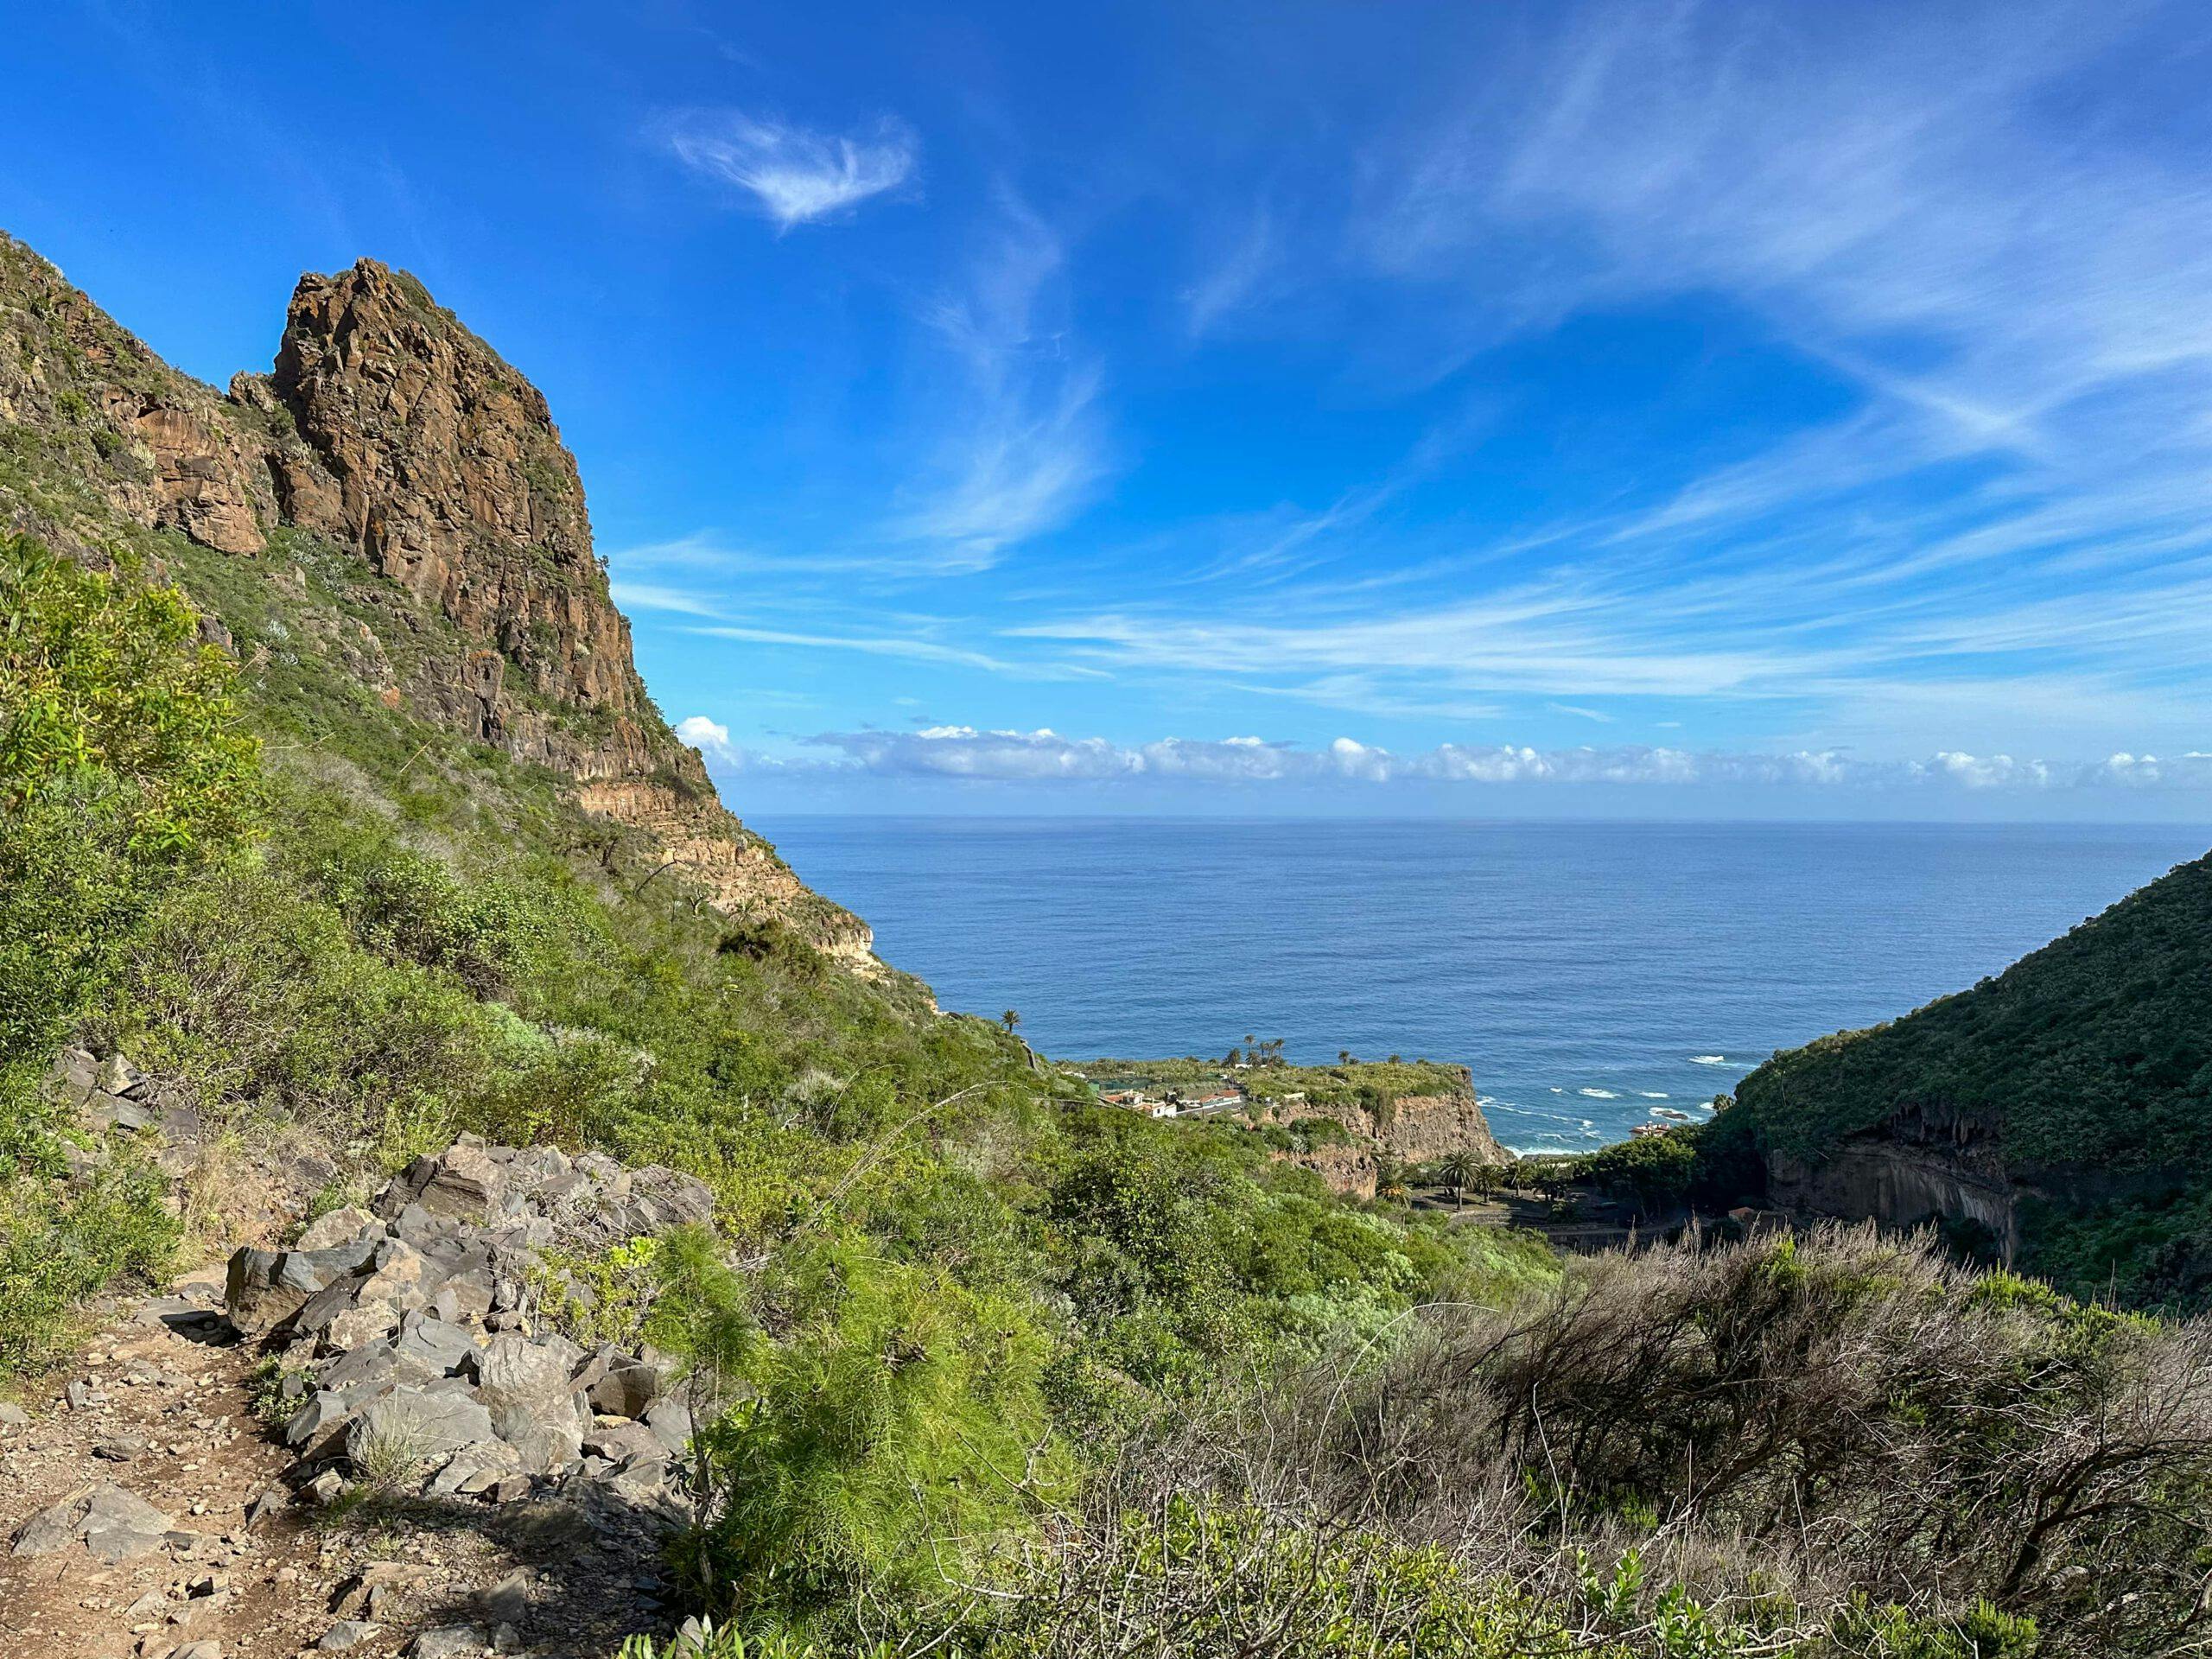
(264,1289)
(411,1425)
(112,1523)
(463,1182)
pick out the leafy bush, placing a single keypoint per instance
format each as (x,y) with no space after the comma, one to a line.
(64,1237)
(121,762)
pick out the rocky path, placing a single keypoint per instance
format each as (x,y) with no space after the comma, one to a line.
(147,1512)
(205,1555)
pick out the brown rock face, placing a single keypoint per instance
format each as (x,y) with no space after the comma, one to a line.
(451,477)
(147,442)
(389,428)
(1418,1128)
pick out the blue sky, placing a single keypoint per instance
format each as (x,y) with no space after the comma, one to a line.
(1498,410)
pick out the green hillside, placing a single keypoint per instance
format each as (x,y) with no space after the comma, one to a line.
(2087,1065)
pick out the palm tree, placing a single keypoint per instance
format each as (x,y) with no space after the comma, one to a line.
(1390,1179)
(1458,1170)
(1009,1020)
(1344,1057)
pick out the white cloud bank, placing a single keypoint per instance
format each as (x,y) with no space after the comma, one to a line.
(1044,755)
(795,175)
(706,735)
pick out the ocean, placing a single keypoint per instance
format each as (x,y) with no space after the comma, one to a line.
(1592,974)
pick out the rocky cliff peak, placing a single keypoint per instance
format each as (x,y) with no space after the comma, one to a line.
(450,476)
(390,431)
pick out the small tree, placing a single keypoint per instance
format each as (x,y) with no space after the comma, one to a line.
(1457,1171)
(1009,1020)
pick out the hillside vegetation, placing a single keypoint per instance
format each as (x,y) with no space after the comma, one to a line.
(2083,1074)
(2094,1052)
(1004,1373)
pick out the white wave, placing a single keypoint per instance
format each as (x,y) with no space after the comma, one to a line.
(1597,1094)
(1557,1090)
(1708,1059)
(1653,1094)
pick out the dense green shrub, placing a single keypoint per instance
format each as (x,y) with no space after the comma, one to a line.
(124,769)
(121,762)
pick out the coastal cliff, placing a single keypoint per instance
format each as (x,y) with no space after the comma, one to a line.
(388,434)
(2057,1114)
(1416,1127)
(1387,1120)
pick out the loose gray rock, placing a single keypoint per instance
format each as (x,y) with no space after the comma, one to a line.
(120,1525)
(450,1643)
(620,1441)
(415,1423)
(335,1227)
(347,1633)
(508,1599)
(626,1390)
(671,1422)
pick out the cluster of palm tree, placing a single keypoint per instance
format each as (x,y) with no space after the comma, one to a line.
(1256,1052)
(1461,1170)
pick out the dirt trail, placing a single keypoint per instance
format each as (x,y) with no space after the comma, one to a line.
(159,1404)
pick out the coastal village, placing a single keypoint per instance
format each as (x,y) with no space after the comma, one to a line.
(1152,1100)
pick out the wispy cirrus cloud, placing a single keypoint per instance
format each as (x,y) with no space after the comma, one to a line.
(1237,276)
(659,596)
(1021,446)
(1945,210)
(907,647)
(793,175)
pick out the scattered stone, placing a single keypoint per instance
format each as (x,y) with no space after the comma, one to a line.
(122,1449)
(508,1599)
(325,1489)
(449,1642)
(13,1416)
(347,1633)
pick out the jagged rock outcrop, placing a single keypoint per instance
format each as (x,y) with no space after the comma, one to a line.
(152,445)
(389,429)
(451,479)
(413,1341)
